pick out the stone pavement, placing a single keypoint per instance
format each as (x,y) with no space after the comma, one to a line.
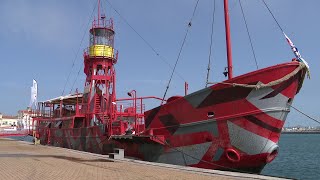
(23,160)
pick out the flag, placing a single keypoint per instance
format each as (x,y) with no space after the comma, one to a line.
(34,94)
(293,47)
(297,54)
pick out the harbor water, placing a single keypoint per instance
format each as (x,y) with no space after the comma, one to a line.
(298,158)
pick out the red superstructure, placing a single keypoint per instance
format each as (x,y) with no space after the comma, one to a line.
(232,125)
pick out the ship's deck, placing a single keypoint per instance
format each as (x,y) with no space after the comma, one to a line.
(23,160)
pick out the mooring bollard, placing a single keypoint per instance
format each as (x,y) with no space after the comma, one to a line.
(36,140)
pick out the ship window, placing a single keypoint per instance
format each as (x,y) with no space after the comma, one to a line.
(210,114)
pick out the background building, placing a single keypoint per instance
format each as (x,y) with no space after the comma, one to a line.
(8,121)
(25,119)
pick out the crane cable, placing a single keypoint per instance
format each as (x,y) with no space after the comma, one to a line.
(211,42)
(178,58)
(251,44)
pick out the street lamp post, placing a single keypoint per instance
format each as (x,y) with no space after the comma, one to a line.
(133,94)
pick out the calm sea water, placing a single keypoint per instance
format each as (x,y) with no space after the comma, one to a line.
(298,158)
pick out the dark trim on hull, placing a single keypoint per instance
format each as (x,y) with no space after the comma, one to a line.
(151,116)
(280,88)
(258,122)
(225,95)
(169,122)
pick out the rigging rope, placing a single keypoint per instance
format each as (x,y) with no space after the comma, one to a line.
(245,21)
(178,58)
(74,82)
(84,34)
(293,47)
(144,40)
(272,15)
(317,121)
(211,41)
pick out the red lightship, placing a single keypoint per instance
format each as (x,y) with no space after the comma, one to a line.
(232,125)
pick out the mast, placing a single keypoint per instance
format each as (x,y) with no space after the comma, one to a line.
(228,38)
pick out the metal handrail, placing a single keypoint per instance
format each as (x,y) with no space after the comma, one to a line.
(106,23)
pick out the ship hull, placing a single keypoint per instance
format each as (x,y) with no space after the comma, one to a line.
(222,127)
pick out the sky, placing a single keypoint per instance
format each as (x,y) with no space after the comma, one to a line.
(41,40)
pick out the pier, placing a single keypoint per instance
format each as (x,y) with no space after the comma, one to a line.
(24,160)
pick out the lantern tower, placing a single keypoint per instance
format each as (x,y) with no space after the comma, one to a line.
(99,59)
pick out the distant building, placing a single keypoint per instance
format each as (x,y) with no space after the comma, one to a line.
(25,118)
(8,121)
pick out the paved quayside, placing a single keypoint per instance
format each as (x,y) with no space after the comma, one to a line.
(23,160)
